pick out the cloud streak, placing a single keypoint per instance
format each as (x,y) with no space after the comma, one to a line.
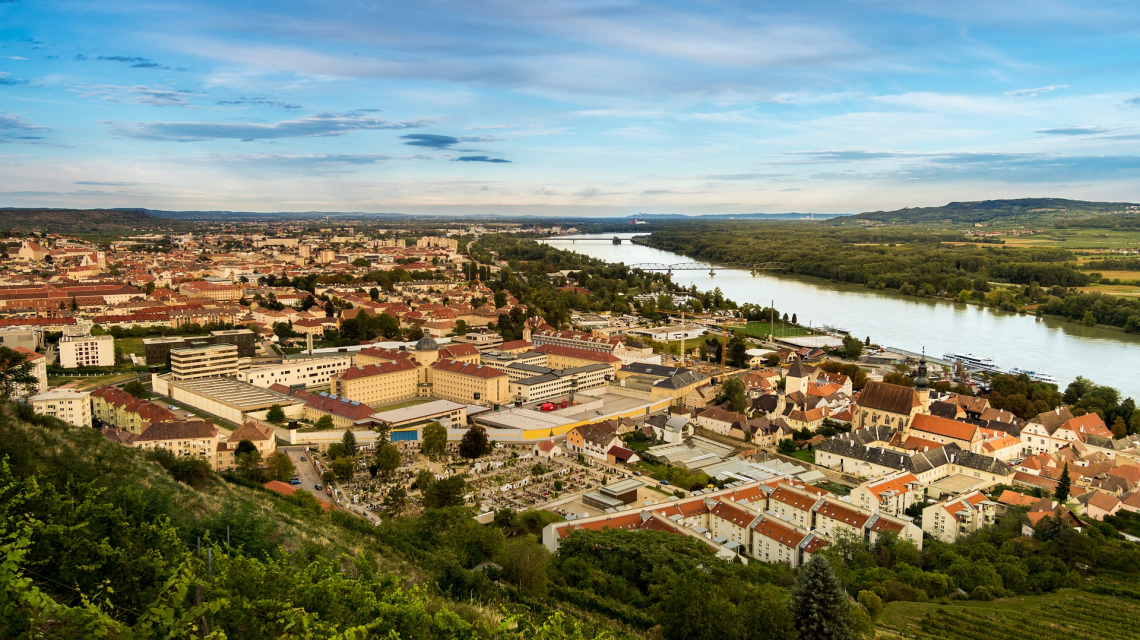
(480,159)
(313,126)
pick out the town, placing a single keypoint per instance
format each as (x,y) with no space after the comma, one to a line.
(386,370)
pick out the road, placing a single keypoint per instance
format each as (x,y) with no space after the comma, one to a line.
(306,472)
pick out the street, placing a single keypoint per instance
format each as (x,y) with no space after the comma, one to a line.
(306,471)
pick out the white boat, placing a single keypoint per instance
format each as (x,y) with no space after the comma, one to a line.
(1037,376)
(972,361)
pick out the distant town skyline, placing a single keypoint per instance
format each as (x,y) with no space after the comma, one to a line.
(566,108)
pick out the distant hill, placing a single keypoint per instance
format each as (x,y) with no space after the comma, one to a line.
(1026,210)
(84,220)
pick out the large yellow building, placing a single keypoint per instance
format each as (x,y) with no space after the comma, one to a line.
(559,357)
(379,382)
(469,383)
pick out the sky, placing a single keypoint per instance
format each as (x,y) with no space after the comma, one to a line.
(566,108)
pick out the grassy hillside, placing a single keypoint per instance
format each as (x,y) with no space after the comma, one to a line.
(1023,210)
(85,221)
(98,540)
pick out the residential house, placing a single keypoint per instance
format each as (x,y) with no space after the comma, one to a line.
(958,517)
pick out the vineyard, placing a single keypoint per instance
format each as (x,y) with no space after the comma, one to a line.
(1066,615)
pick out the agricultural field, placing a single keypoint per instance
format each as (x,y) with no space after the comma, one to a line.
(1068,614)
(1117,275)
(1078,239)
(1121,290)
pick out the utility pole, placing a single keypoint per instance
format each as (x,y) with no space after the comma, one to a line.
(723,348)
(682,336)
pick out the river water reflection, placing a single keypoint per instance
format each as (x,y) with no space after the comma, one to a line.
(1063,349)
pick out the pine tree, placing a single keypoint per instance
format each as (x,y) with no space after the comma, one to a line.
(1063,484)
(349,441)
(819,604)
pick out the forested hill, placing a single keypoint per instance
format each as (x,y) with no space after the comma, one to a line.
(84,220)
(1025,210)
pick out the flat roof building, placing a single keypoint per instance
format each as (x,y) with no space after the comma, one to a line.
(209,361)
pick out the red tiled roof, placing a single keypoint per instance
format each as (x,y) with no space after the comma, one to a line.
(468,369)
(843,514)
(778,532)
(377,369)
(944,427)
(582,354)
(793,499)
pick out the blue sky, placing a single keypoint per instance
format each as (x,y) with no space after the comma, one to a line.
(597,108)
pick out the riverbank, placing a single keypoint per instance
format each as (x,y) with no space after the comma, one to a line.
(1063,349)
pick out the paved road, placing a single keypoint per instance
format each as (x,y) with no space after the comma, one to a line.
(306,471)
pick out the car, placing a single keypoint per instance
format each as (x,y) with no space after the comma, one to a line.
(302,458)
(664,483)
(637,473)
(295,481)
(317,487)
(188,414)
(172,407)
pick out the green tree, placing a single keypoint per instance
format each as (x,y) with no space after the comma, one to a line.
(16,372)
(732,390)
(871,602)
(1061,493)
(248,464)
(279,467)
(336,450)
(852,348)
(388,326)
(1089,320)
(325,423)
(246,446)
(360,262)
(524,563)
(387,459)
(394,500)
(737,351)
(328,476)
(434,440)
(135,388)
(342,468)
(349,442)
(474,443)
(1119,428)
(445,493)
(276,414)
(819,603)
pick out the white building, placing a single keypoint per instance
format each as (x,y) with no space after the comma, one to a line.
(86,351)
(210,361)
(39,370)
(309,373)
(69,405)
(958,517)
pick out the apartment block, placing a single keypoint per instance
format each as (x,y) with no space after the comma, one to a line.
(69,405)
(307,373)
(210,361)
(469,383)
(86,351)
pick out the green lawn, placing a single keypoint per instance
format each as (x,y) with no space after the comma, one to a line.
(131,345)
(763,329)
(410,402)
(1068,614)
(803,454)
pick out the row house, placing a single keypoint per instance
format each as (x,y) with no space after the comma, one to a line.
(958,517)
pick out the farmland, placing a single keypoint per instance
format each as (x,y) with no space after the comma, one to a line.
(1068,614)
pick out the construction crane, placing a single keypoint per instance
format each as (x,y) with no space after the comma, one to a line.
(724,322)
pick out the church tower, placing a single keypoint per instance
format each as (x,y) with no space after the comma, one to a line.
(797,378)
(922,384)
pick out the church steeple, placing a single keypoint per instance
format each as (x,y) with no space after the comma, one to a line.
(922,383)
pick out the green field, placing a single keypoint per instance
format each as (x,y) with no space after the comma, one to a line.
(764,329)
(1074,239)
(1066,615)
(131,345)
(803,454)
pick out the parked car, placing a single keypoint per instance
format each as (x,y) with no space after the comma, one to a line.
(302,458)
(317,487)
(171,407)
(664,483)
(295,481)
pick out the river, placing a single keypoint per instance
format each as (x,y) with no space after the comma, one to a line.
(1063,349)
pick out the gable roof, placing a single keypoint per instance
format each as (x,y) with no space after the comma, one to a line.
(945,428)
(888,397)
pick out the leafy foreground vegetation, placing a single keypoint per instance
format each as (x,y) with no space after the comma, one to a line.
(103,541)
(1065,615)
(100,541)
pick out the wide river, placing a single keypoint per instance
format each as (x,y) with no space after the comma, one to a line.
(1063,349)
